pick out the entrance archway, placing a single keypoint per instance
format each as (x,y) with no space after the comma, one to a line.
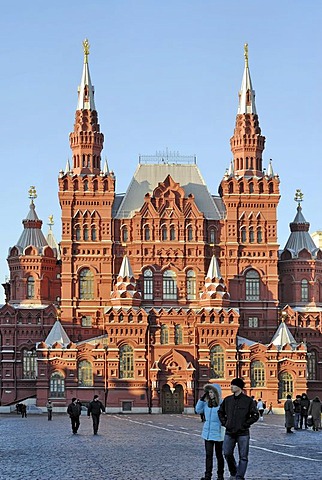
(172,399)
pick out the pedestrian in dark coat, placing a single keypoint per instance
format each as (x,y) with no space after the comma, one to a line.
(289,414)
(315,410)
(95,407)
(23,410)
(237,413)
(74,410)
(49,406)
(305,405)
(212,432)
(297,411)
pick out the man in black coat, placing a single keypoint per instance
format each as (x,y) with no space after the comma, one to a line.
(95,407)
(237,413)
(74,410)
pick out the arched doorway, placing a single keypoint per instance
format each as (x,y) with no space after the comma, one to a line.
(172,399)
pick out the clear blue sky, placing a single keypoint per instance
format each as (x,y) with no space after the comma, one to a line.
(166,75)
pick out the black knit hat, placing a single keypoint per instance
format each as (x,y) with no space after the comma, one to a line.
(73,399)
(239,382)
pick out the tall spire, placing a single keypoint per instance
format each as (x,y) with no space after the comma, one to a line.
(246,94)
(86,141)
(247,143)
(86,89)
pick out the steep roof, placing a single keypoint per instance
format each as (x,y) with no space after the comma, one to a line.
(147,177)
(300,238)
(57,334)
(32,234)
(283,336)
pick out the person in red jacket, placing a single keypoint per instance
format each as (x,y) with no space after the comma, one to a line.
(237,413)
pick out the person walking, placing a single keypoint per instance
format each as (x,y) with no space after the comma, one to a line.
(315,409)
(305,404)
(95,407)
(212,432)
(237,413)
(49,407)
(23,410)
(270,409)
(74,410)
(289,414)
(297,411)
(260,408)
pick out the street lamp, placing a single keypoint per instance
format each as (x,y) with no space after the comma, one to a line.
(105,346)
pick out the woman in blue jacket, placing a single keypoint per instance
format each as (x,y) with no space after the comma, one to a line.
(213,432)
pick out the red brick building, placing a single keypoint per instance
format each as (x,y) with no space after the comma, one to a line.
(152,293)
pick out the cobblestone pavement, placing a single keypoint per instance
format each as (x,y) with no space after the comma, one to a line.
(150,447)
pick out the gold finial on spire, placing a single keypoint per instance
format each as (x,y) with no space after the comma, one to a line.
(246,54)
(86,49)
(32,193)
(51,221)
(298,196)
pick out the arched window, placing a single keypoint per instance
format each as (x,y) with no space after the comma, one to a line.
(251,187)
(29,364)
(251,235)
(285,385)
(169,285)
(148,284)
(125,235)
(270,188)
(257,374)
(178,334)
(164,233)
(243,235)
(189,233)
(85,374)
(147,234)
(252,285)
(126,362)
(261,187)
(86,284)
(77,232)
(172,233)
(191,285)
(304,290)
(241,187)
(85,185)
(311,365)
(231,187)
(30,287)
(93,234)
(85,231)
(164,335)
(57,385)
(212,236)
(217,362)
(259,235)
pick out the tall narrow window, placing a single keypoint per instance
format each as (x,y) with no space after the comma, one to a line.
(257,374)
(29,364)
(311,365)
(85,233)
(85,374)
(304,290)
(77,232)
(94,236)
(148,284)
(243,235)
(191,285)
(85,185)
(217,362)
(172,233)
(86,284)
(169,285)
(178,334)
(212,236)
(147,234)
(285,385)
(164,335)
(126,362)
(164,233)
(259,235)
(251,235)
(57,385)
(30,287)
(189,233)
(252,285)
(124,234)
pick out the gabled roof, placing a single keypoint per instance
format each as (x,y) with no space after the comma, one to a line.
(147,177)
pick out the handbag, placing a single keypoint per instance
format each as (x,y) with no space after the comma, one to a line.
(309,421)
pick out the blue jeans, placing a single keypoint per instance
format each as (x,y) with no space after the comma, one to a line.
(297,420)
(243,449)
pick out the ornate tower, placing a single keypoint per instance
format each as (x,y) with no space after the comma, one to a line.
(249,231)
(86,194)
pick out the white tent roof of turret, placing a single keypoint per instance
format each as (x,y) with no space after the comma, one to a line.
(57,334)
(283,336)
